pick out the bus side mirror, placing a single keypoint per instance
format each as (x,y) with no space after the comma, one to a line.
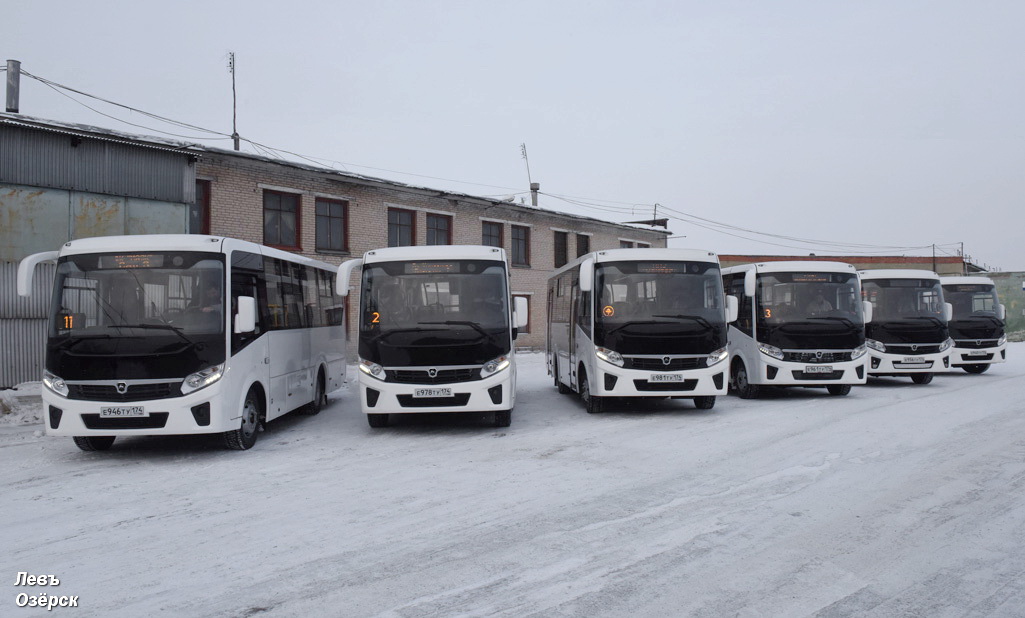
(245,319)
(732,309)
(27,270)
(948,312)
(520,314)
(1001,312)
(749,283)
(866,308)
(586,274)
(344,274)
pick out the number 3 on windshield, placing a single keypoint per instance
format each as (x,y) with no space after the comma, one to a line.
(768,313)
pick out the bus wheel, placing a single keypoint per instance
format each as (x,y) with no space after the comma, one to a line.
(563,389)
(94,443)
(503,418)
(921,378)
(378,420)
(745,389)
(975,368)
(704,403)
(838,390)
(319,397)
(243,438)
(592,403)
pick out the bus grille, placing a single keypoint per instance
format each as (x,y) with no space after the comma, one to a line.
(655,364)
(815,356)
(135,392)
(444,376)
(644,385)
(408,401)
(912,348)
(834,375)
(976,344)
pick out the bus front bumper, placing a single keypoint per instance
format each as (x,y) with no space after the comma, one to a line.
(613,381)
(785,373)
(195,413)
(884,364)
(494,393)
(978,356)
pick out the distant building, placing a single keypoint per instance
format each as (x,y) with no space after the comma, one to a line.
(945,265)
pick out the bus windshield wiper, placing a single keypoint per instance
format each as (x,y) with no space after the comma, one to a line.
(177,330)
(838,318)
(697,318)
(474,325)
(393,331)
(77,339)
(635,323)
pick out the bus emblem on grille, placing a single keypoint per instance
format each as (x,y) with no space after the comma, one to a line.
(818,353)
(914,348)
(432,372)
(666,360)
(121,387)
(978,342)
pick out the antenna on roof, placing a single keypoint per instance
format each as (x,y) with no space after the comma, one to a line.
(534,186)
(234,123)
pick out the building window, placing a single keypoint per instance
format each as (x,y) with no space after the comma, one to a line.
(526,329)
(583,244)
(520,245)
(561,248)
(439,229)
(491,234)
(332,225)
(199,211)
(280,218)
(643,245)
(626,244)
(401,228)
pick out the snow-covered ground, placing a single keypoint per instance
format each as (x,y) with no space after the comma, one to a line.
(898,500)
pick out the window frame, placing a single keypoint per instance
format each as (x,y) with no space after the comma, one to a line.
(501,233)
(298,220)
(560,258)
(526,246)
(433,216)
(412,225)
(316,224)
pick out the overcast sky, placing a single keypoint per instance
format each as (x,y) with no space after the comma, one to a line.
(882,123)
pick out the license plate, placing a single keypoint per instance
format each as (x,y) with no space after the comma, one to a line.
(665,377)
(123,412)
(914,359)
(976,353)
(818,369)
(432,392)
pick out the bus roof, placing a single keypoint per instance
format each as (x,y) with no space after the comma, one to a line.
(966,281)
(434,252)
(642,255)
(898,273)
(813,266)
(180,242)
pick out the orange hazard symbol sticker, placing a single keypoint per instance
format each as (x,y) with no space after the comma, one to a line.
(608,311)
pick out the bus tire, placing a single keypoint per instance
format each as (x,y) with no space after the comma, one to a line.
(503,418)
(563,389)
(921,378)
(94,443)
(744,388)
(838,390)
(976,369)
(592,403)
(243,438)
(378,420)
(706,402)
(319,396)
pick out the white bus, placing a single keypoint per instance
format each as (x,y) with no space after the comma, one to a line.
(977,326)
(436,331)
(639,323)
(185,334)
(908,333)
(801,323)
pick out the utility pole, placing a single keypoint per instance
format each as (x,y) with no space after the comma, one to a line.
(934,257)
(534,186)
(234,119)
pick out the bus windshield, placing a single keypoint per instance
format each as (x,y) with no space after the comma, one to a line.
(904,299)
(972,300)
(161,313)
(643,307)
(434,312)
(787,298)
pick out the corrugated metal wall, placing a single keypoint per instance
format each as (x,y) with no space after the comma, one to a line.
(23,324)
(57,160)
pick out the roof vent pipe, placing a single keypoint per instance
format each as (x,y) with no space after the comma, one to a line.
(534,188)
(13,85)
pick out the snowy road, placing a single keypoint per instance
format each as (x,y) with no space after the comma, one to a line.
(898,500)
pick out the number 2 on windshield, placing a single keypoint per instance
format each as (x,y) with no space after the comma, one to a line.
(377,317)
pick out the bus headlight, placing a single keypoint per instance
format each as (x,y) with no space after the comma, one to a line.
(718,356)
(371,369)
(202,379)
(770,350)
(875,345)
(1002,340)
(55,384)
(493,366)
(859,351)
(946,345)
(609,356)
